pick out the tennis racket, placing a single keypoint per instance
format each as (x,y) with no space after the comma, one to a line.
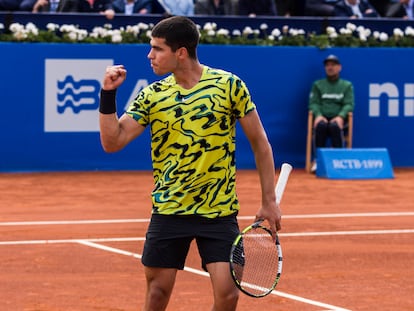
(255,257)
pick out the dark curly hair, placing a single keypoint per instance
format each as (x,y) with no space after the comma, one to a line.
(178,31)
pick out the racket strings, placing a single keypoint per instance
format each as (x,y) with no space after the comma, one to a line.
(256,262)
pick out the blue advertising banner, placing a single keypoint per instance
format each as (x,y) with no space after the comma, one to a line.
(50,95)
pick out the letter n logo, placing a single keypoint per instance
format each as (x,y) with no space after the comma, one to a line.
(392,95)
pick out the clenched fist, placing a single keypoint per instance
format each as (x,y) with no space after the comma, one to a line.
(114,77)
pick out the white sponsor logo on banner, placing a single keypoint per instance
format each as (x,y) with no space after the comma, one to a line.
(72,94)
(392,95)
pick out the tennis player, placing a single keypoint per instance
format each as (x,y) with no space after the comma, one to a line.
(192,115)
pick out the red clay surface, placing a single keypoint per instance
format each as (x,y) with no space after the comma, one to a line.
(347,244)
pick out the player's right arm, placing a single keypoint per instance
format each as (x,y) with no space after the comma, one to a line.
(115,132)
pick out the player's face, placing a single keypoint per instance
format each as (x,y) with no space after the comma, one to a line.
(332,69)
(163,59)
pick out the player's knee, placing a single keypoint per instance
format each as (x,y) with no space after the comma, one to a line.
(227,301)
(158,296)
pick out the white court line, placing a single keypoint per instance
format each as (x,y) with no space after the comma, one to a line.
(203,273)
(108,248)
(132,239)
(145,220)
(33,242)
(356,232)
(309,301)
(73,222)
(340,215)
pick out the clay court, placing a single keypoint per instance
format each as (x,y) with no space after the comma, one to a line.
(72,241)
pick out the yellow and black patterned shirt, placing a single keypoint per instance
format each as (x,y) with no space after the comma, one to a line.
(193,136)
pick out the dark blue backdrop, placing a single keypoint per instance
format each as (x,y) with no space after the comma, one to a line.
(36,137)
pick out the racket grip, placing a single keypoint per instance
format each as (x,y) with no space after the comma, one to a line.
(282,181)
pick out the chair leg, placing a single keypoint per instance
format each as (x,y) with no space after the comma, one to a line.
(309,139)
(350,129)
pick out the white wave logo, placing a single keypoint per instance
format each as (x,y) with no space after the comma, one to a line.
(72,94)
(78,95)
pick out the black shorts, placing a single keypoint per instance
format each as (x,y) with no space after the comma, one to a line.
(169,237)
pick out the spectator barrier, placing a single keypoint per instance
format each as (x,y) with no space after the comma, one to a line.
(309,24)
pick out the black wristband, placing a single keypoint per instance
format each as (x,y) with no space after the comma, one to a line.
(107,103)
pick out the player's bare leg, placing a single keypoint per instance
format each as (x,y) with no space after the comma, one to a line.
(160,283)
(225,291)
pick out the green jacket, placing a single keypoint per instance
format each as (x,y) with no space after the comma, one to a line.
(331,98)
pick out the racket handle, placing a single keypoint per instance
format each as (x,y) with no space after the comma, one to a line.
(282,181)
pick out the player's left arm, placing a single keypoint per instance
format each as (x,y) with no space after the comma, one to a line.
(263,154)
